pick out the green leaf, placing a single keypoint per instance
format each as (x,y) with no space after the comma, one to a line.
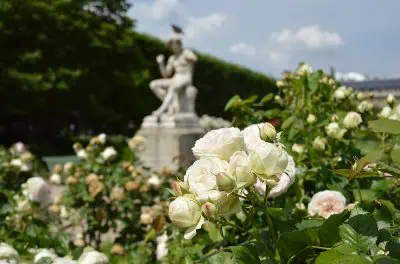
(364,194)
(393,246)
(328,232)
(313,81)
(309,224)
(335,257)
(220,258)
(385,125)
(395,155)
(357,241)
(291,243)
(369,158)
(232,102)
(245,255)
(267,98)
(288,122)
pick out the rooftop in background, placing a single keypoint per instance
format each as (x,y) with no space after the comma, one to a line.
(374,84)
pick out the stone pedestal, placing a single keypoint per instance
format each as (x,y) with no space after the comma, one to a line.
(170,139)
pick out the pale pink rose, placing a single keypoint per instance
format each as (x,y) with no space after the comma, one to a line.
(326,203)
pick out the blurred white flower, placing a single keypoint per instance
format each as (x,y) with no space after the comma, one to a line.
(385,113)
(326,203)
(304,69)
(93,257)
(311,119)
(137,143)
(335,131)
(39,191)
(154,181)
(162,246)
(9,254)
(64,260)
(298,148)
(109,154)
(79,240)
(280,83)
(352,120)
(55,178)
(268,160)
(340,92)
(286,179)
(390,99)
(220,143)
(82,154)
(319,143)
(117,194)
(20,147)
(23,166)
(45,253)
(201,177)
(395,114)
(365,106)
(360,96)
(186,212)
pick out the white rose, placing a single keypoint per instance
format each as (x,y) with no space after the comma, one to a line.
(45,253)
(286,179)
(20,147)
(326,203)
(298,148)
(385,113)
(395,114)
(365,106)
(319,143)
(360,95)
(154,181)
(102,138)
(390,99)
(93,257)
(280,83)
(82,154)
(8,253)
(55,178)
(352,120)
(23,166)
(267,160)
(162,246)
(311,119)
(304,69)
(340,92)
(109,153)
(239,169)
(220,143)
(335,131)
(137,143)
(201,177)
(39,191)
(251,135)
(186,212)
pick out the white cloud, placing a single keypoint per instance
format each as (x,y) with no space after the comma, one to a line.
(350,76)
(309,37)
(198,26)
(243,48)
(156,11)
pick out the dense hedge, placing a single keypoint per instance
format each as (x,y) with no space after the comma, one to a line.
(63,66)
(216,80)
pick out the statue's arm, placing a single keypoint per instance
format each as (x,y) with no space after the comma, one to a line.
(190,56)
(166,70)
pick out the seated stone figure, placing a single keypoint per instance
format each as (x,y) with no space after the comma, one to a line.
(175,89)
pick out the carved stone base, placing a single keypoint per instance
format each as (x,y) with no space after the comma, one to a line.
(170,139)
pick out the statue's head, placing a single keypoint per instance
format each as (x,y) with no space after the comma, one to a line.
(175,45)
(175,42)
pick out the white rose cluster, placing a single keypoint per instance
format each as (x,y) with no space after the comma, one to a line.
(228,161)
(8,254)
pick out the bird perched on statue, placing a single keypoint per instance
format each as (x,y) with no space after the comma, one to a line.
(177,29)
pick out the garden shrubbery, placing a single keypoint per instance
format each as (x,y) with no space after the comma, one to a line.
(319,185)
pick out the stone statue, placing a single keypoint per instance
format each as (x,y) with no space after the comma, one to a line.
(175,89)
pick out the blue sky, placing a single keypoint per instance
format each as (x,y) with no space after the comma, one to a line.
(360,37)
